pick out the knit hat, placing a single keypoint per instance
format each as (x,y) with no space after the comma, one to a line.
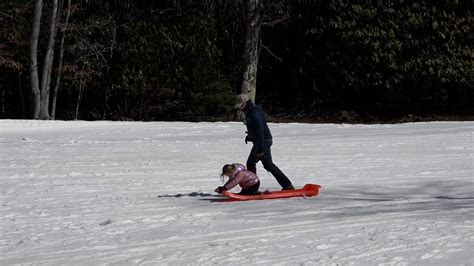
(241,99)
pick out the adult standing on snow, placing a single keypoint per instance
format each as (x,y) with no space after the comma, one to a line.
(259,134)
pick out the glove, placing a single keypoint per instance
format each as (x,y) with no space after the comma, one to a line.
(219,190)
(248,138)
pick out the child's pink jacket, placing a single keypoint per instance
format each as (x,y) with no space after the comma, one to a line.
(241,177)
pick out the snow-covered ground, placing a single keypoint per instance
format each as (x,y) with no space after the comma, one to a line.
(86,193)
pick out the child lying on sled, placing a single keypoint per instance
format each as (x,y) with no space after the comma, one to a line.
(239,175)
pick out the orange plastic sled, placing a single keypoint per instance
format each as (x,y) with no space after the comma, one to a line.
(309,190)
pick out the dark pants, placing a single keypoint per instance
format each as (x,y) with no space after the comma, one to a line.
(251,190)
(267,164)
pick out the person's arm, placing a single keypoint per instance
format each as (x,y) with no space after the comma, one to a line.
(260,136)
(233,181)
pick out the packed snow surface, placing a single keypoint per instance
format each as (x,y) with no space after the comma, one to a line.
(87,193)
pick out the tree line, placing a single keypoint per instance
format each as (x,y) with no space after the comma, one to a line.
(186,60)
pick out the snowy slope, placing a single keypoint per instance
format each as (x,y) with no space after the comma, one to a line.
(86,193)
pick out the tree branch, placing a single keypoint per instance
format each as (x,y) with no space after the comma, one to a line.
(6,15)
(275,22)
(271,53)
(162,11)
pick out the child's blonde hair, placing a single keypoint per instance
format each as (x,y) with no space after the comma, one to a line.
(228,168)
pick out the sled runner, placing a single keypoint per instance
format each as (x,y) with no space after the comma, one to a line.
(308,190)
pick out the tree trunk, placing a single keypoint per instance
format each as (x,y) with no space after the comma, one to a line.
(34,78)
(107,91)
(22,98)
(3,104)
(60,67)
(79,98)
(47,66)
(252,47)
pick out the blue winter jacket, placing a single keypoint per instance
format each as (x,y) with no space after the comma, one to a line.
(257,127)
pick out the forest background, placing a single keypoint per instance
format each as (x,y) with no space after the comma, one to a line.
(307,61)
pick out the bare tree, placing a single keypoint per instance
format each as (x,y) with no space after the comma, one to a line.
(252,46)
(81,89)
(47,65)
(93,55)
(256,13)
(40,91)
(61,55)
(107,72)
(34,78)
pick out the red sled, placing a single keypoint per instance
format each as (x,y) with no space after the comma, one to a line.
(309,190)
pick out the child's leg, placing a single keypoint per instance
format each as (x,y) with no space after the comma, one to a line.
(251,190)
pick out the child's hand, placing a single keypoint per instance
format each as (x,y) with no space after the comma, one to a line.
(219,190)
